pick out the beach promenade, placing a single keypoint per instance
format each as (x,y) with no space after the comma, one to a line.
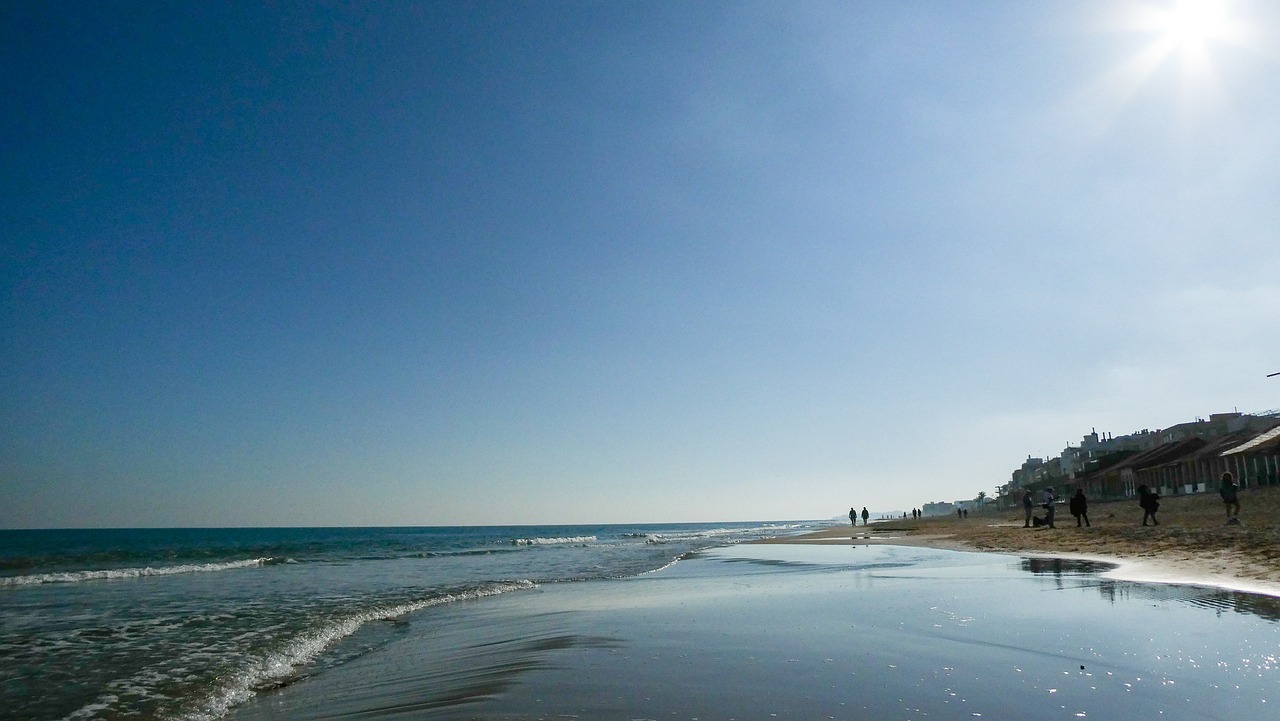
(1192,544)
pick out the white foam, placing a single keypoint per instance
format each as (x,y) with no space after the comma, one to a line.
(553,541)
(91,710)
(710,533)
(693,535)
(120,573)
(281,664)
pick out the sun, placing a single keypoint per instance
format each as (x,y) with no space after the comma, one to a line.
(1186,55)
(1189,25)
(1187,31)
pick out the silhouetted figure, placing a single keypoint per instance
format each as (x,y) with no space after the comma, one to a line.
(1230,497)
(959,513)
(1049,500)
(966,512)
(853,517)
(1080,507)
(1027,505)
(865,515)
(1149,500)
(915,514)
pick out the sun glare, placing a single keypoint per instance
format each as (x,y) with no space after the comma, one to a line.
(1189,24)
(1185,49)
(1186,30)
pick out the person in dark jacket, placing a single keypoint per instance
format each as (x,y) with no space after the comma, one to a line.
(1230,497)
(1027,505)
(1050,505)
(1149,500)
(1080,507)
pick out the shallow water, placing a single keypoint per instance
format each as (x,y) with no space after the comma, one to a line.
(813,632)
(189,623)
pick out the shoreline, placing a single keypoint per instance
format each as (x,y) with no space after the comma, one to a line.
(791,631)
(1192,546)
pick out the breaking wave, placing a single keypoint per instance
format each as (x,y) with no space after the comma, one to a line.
(272,668)
(122,573)
(553,541)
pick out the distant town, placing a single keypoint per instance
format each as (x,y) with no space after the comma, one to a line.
(1182,459)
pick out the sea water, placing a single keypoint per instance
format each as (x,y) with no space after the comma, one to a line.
(804,632)
(190,623)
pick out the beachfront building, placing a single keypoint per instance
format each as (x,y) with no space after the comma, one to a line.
(1191,464)
(1108,477)
(941,508)
(1255,462)
(1035,475)
(1076,464)
(1185,458)
(1026,474)
(1218,425)
(1094,446)
(1021,478)
(1163,469)
(1205,467)
(1227,442)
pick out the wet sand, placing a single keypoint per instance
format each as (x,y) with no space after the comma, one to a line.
(1192,544)
(941,618)
(790,631)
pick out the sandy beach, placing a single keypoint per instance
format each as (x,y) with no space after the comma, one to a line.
(1192,544)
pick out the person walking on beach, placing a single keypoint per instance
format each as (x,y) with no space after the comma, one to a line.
(1027,506)
(1230,497)
(1149,500)
(853,517)
(1080,507)
(865,515)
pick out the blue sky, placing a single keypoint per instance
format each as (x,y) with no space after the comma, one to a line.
(464,263)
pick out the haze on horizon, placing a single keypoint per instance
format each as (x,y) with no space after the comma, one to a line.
(412,263)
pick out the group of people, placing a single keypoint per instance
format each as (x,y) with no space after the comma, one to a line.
(916,513)
(1148,501)
(1079,507)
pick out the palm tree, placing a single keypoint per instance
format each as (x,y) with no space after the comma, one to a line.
(982,495)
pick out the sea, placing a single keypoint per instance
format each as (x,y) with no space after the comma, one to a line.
(189,624)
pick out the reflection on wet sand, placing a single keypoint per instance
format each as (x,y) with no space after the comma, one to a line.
(1065,566)
(790,631)
(1222,600)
